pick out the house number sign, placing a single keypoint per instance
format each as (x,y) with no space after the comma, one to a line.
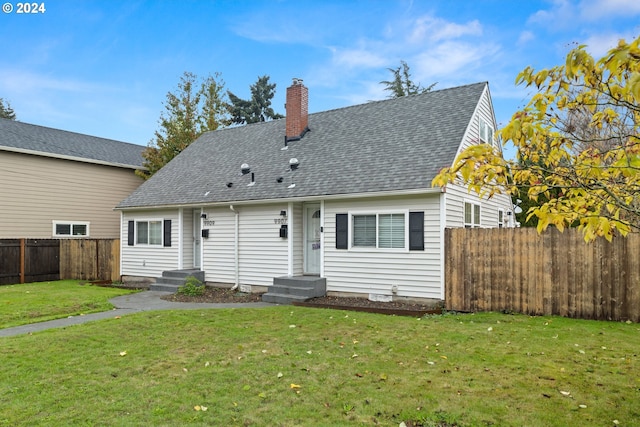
(280,221)
(209,223)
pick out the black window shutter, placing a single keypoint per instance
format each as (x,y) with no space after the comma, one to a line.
(342,231)
(131,233)
(167,232)
(416,231)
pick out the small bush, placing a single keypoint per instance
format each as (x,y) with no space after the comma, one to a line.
(192,287)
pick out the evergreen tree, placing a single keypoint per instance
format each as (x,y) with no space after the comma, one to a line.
(6,112)
(194,109)
(402,85)
(258,108)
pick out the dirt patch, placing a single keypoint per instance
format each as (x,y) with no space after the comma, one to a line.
(401,308)
(216,295)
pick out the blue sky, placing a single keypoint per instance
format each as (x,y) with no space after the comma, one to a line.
(104,67)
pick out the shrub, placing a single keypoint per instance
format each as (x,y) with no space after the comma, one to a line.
(192,287)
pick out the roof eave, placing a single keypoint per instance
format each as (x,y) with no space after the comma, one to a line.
(73,158)
(389,193)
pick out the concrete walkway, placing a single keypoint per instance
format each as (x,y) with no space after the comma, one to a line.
(125,304)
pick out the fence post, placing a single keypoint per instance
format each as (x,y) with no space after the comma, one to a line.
(22,260)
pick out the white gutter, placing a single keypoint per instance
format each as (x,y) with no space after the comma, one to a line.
(431,190)
(236,248)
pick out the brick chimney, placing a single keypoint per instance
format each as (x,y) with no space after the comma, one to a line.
(297,108)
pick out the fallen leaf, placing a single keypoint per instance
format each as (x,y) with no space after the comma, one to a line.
(355,341)
(185,369)
(431,363)
(443,357)
(359,375)
(264,351)
(565,393)
(582,406)
(262,395)
(197,408)
(292,326)
(295,386)
(118,317)
(353,356)
(309,352)
(489,329)
(123,353)
(383,377)
(207,364)
(280,374)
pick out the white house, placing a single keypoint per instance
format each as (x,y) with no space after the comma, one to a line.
(340,198)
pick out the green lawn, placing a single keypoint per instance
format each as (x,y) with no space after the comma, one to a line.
(295,366)
(38,302)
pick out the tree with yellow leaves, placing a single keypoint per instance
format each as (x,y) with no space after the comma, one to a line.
(577,142)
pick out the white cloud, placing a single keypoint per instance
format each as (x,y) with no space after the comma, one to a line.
(594,10)
(359,57)
(452,58)
(436,29)
(525,37)
(598,45)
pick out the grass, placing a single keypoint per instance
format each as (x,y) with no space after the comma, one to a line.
(296,366)
(42,301)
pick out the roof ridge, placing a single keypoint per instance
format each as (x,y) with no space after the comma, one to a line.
(69,131)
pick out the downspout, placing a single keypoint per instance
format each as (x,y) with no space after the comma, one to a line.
(236,249)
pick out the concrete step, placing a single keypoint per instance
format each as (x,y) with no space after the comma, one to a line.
(302,291)
(281,298)
(164,287)
(183,274)
(177,281)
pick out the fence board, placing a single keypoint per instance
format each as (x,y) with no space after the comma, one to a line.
(554,273)
(53,259)
(9,261)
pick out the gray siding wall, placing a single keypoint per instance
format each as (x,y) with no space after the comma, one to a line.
(146,260)
(417,274)
(37,190)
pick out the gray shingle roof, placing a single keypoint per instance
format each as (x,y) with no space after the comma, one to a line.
(46,141)
(392,145)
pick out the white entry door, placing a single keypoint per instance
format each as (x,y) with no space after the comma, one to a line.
(312,239)
(197,239)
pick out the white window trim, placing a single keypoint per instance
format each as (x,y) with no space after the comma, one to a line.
(484,138)
(148,245)
(71,223)
(464,220)
(377,213)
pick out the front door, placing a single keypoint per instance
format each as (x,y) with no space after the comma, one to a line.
(197,239)
(312,239)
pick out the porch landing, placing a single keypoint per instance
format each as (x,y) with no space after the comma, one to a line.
(286,289)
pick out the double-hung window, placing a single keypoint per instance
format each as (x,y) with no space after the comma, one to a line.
(70,229)
(149,232)
(386,230)
(486,133)
(471,215)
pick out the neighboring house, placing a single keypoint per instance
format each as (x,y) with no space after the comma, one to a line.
(344,195)
(59,184)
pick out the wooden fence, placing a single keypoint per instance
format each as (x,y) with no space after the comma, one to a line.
(35,260)
(517,270)
(29,260)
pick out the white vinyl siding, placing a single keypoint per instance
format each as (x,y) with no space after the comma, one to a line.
(218,260)
(149,260)
(416,273)
(187,238)
(36,190)
(262,252)
(457,193)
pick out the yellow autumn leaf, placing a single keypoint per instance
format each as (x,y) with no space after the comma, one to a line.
(295,386)
(123,353)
